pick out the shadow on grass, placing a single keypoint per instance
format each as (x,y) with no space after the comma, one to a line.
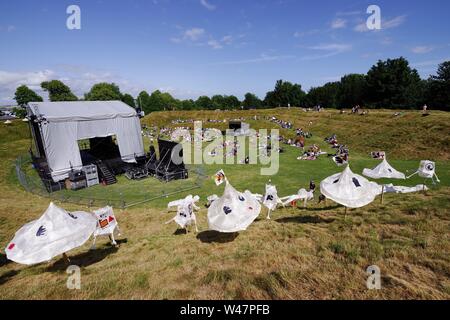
(211,236)
(179,232)
(3,260)
(7,276)
(304,219)
(83,259)
(326,208)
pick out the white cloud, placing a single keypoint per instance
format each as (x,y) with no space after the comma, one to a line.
(348,13)
(330,49)
(262,58)
(9,81)
(200,37)
(207,5)
(301,34)
(227,39)
(194,34)
(361,27)
(429,63)
(80,79)
(214,44)
(338,23)
(175,40)
(385,24)
(422,49)
(393,23)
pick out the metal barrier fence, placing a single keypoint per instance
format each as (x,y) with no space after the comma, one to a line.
(32,183)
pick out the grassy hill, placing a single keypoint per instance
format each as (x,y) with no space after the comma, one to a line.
(312,253)
(409,136)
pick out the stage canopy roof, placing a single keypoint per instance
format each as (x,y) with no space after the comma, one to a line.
(62,124)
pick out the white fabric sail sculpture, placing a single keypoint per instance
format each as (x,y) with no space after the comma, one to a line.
(55,232)
(234,211)
(302,194)
(210,199)
(383,170)
(390,188)
(106,224)
(349,189)
(270,199)
(427,169)
(185,211)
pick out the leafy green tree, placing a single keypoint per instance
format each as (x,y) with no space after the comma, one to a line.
(169,102)
(21,112)
(285,94)
(129,100)
(393,84)
(325,96)
(103,92)
(231,102)
(143,101)
(438,88)
(218,102)
(251,101)
(24,95)
(58,91)
(203,103)
(161,101)
(156,102)
(352,90)
(187,104)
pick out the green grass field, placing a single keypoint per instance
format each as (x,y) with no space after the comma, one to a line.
(313,253)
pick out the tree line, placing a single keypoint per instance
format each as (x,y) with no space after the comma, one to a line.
(390,84)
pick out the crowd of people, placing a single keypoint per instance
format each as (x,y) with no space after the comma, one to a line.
(312,153)
(283,124)
(297,139)
(342,152)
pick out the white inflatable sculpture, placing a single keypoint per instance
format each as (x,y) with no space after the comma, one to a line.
(271,199)
(349,189)
(383,170)
(185,212)
(302,194)
(427,169)
(210,199)
(390,188)
(234,211)
(55,232)
(106,224)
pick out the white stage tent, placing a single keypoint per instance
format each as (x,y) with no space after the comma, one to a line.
(62,124)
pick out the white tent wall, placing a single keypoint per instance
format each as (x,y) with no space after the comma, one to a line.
(61,148)
(60,137)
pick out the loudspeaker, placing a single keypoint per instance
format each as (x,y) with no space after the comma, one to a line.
(166,168)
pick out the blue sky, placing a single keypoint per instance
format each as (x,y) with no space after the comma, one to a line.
(195,47)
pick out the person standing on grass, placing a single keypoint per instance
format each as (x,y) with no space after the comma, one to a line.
(425,109)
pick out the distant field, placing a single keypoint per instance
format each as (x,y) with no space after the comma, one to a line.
(409,136)
(312,253)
